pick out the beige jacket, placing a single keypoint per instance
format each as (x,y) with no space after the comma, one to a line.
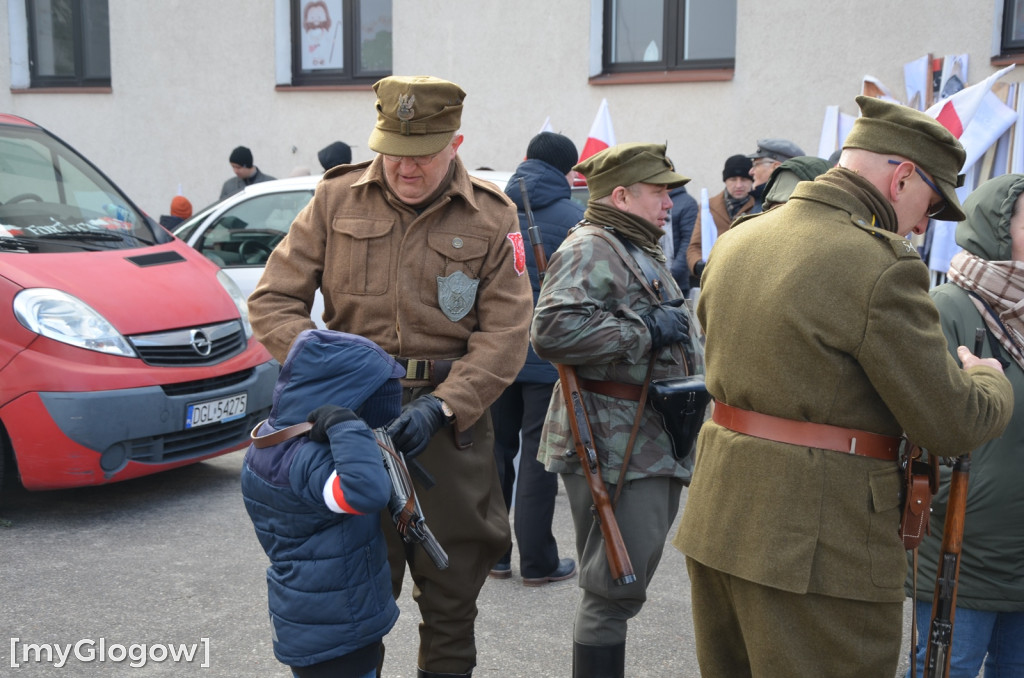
(378,261)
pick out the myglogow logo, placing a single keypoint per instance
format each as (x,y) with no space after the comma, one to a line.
(92,650)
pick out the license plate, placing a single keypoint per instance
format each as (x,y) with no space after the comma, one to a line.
(215,411)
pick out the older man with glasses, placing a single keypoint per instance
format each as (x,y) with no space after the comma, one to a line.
(429,264)
(770,154)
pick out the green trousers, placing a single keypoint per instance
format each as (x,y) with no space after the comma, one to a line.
(745,629)
(644,513)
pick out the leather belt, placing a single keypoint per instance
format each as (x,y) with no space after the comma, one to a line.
(434,371)
(807,434)
(612,389)
(278,436)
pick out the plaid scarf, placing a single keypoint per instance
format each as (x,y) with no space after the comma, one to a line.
(997,289)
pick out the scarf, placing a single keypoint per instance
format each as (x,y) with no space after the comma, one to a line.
(733,205)
(640,231)
(1000,286)
(865,193)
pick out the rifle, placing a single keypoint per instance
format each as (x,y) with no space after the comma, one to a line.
(940,632)
(615,548)
(404,505)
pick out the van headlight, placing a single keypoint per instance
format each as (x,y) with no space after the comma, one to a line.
(241,303)
(62,317)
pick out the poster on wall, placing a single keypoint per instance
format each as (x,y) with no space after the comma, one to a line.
(321,35)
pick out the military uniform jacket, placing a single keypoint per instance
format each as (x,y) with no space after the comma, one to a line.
(378,263)
(814,315)
(588,316)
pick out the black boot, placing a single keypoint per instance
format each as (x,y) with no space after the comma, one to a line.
(420,673)
(598,661)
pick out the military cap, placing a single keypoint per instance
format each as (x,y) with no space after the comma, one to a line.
(416,115)
(886,127)
(776,149)
(628,164)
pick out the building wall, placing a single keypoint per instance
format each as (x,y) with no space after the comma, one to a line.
(193,79)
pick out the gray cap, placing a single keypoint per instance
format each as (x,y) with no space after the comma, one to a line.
(776,149)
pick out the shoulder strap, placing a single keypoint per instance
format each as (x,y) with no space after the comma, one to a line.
(279,436)
(623,247)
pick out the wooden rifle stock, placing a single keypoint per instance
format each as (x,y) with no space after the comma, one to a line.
(940,631)
(615,548)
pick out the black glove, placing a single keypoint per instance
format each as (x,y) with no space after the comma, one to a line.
(668,323)
(416,425)
(325,417)
(698,269)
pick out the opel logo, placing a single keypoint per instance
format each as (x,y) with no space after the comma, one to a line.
(201,343)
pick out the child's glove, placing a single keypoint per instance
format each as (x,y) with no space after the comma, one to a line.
(325,417)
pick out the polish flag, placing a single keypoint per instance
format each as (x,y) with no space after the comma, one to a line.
(955,112)
(601,133)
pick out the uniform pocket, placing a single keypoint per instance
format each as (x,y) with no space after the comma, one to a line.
(888,558)
(361,263)
(446,254)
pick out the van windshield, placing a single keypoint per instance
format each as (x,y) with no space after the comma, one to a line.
(53,200)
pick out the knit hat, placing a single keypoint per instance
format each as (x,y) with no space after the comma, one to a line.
(416,115)
(556,150)
(334,154)
(241,156)
(737,166)
(181,207)
(628,164)
(891,128)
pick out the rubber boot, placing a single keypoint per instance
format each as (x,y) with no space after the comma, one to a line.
(598,661)
(420,673)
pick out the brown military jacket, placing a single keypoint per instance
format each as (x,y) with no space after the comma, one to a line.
(378,263)
(814,314)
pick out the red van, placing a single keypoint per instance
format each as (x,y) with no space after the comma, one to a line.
(123,351)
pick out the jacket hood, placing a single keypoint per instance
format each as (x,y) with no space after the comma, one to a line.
(986,230)
(325,367)
(544,184)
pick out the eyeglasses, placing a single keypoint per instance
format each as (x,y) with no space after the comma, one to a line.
(762,161)
(418,160)
(933,210)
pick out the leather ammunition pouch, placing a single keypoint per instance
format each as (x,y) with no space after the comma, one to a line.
(681,402)
(920,482)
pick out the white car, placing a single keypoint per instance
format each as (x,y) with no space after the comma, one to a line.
(239,232)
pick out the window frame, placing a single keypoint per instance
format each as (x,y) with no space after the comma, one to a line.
(1009,45)
(674,43)
(351,72)
(79,27)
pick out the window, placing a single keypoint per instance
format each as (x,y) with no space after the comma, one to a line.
(69,43)
(340,41)
(667,35)
(1013,26)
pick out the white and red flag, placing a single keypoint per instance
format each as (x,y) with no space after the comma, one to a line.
(955,112)
(546,127)
(601,133)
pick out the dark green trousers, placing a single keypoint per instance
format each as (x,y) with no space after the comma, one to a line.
(466,512)
(745,629)
(644,513)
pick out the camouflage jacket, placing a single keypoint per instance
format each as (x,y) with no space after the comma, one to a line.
(589,316)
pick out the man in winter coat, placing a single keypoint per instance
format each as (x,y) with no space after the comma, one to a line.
(733,202)
(822,348)
(314,502)
(411,252)
(986,291)
(246,174)
(521,408)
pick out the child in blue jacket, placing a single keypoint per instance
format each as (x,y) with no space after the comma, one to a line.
(315,503)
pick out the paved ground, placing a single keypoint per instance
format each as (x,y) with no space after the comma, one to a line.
(172,560)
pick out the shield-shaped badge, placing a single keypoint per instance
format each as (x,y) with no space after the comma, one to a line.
(456,294)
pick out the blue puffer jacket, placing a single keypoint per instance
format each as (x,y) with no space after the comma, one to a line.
(329,584)
(555,213)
